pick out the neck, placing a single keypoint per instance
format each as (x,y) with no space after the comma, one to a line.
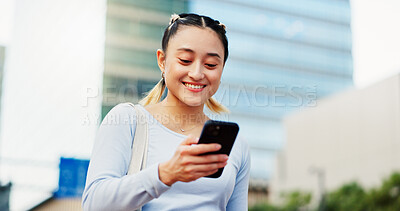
(185,115)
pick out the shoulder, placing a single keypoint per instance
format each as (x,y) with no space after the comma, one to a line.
(121,113)
(122,108)
(118,127)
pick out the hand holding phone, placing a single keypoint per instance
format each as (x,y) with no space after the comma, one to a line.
(223,133)
(187,163)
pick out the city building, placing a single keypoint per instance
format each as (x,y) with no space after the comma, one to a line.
(352,136)
(134,31)
(283,55)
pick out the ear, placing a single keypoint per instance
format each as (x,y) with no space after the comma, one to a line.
(161,59)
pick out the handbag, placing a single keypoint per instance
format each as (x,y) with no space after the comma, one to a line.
(139,143)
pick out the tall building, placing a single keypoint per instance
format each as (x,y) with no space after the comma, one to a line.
(283,55)
(134,31)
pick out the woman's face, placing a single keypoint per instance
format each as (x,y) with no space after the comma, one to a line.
(192,65)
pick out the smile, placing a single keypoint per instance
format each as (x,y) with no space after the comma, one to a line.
(193,87)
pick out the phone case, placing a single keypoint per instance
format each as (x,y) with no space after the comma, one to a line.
(220,132)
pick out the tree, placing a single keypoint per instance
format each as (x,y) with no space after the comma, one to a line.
(349,197)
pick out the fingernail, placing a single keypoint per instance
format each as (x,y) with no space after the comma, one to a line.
(218,146)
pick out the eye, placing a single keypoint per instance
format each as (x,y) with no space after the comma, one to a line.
(185,61)
(211,65)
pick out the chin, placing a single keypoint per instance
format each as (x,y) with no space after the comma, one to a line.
(194,103)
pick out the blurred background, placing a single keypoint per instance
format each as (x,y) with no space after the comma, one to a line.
(313,84)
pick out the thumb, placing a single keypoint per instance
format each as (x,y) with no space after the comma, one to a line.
(190,140)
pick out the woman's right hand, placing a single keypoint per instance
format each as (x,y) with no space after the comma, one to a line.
(188,165)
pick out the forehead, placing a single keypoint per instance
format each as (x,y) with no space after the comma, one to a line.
(200,40)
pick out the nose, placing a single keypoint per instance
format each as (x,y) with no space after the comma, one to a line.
(196,73)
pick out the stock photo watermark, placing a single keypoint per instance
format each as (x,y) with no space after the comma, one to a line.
(260,98)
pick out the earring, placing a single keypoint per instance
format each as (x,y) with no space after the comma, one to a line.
(162,75)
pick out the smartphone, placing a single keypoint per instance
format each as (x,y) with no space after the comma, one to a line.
(223,133)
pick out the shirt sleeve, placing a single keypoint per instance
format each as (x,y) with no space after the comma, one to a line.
(107,185)
(239,198)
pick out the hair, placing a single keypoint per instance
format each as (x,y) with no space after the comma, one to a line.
(189,19)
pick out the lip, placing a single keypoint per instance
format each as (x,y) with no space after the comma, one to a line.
(194,83)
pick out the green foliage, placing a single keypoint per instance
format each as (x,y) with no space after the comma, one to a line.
(296,200)
(264,207)
(387,197)
(349,197)
(293,201)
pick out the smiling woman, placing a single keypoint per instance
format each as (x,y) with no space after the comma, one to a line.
(192,58)
(209,31)
(193,72)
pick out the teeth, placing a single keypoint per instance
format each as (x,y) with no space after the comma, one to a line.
(193,86)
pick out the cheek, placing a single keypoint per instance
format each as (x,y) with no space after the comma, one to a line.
(215,80)
(216,76)
(174,72)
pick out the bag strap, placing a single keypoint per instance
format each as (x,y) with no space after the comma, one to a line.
(140,142)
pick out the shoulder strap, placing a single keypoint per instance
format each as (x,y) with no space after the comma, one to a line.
(140,142)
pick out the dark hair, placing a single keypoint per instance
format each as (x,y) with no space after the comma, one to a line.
(190,19)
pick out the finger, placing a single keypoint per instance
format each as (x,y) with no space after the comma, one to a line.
(198,175)
(201,168)
(210,172)
(190,140)
(203,174)
(204,159)
(203,148)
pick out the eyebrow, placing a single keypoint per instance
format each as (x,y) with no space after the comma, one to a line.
(191,51)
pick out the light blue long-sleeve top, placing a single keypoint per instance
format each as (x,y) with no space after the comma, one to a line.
(109,188)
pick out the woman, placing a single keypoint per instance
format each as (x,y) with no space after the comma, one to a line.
(194,52)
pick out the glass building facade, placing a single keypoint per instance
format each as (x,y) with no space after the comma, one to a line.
(134,30)
(284,55)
